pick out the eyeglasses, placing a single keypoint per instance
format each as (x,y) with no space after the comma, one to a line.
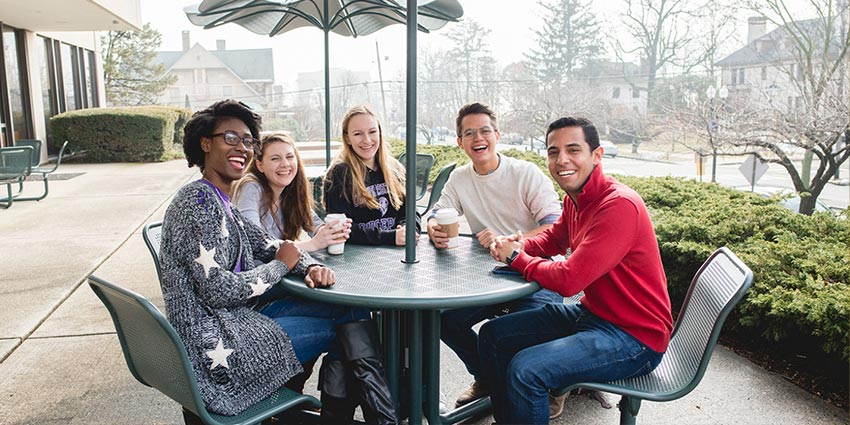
(233,139)
(471,132)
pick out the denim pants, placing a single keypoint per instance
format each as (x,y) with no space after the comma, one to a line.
(311,325)
(456,325)
(554,346)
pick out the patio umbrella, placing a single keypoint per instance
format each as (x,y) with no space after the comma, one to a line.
(348,18)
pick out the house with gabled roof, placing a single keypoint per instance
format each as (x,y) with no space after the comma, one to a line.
(205,76)
(767,65)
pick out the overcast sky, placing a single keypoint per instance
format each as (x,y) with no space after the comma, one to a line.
(301,50)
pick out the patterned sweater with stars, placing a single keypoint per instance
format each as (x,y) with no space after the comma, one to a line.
(239,355)
(368,226)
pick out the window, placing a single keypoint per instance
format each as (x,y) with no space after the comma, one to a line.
(47,75)
(616,93)
(17,89)
(734,77)
(69,77)
(763,73)
(741,76)
(635,93)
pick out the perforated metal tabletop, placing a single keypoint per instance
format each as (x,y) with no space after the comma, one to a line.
(376,277)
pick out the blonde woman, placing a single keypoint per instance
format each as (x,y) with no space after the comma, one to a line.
(275,195)
(367,184)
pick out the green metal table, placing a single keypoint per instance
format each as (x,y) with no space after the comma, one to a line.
(410,297)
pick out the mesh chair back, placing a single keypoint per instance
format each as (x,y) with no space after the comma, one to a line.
(35,144)
(424,162)
(318,186)
(15,163)
(152,234)
(718,286)
(154,352)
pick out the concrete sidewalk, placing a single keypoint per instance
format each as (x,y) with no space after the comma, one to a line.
(60,361)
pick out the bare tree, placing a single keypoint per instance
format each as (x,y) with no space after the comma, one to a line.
(813,55)
(659,29)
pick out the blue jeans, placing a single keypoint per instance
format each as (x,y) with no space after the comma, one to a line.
(456,325)
(534,351)
(311,325)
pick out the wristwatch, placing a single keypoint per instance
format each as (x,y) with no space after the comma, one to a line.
(510,258)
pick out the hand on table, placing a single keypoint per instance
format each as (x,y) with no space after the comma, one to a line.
(502,246)
(400,236)
(486,237)
(319,276)
(439,238)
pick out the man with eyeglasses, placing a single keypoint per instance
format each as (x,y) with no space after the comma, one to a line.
(496,195)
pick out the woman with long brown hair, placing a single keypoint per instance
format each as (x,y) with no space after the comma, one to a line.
(275,195)
(367,184)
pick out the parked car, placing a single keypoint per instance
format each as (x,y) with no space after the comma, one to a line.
(610,148)
(790,200)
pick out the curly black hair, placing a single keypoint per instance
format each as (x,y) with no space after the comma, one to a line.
(203,122)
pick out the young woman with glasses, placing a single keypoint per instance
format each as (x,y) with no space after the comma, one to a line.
(367,184)
(242,347)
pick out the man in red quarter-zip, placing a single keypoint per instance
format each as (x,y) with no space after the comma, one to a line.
(621,326)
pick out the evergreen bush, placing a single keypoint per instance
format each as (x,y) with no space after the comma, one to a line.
(127,134)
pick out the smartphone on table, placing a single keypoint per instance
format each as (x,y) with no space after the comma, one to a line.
(505,270)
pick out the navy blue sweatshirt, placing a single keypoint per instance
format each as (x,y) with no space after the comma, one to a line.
(368,227)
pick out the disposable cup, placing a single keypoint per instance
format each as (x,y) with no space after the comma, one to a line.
(336,221)
(447,218)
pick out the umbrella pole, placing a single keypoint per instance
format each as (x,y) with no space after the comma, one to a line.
(327,97)
(410,196)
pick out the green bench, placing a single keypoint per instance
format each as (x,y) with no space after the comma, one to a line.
(15,166)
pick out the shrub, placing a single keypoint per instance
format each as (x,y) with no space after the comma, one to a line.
(801,291)
(132,134)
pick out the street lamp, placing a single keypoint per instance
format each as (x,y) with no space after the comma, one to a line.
(711,92)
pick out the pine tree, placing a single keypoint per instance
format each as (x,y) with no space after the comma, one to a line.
(130,76)
(568,40)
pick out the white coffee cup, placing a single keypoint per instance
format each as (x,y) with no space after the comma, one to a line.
(447,218)
(336,221)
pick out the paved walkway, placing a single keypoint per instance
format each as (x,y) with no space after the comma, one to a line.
(60,362)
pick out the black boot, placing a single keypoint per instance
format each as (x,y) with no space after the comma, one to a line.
(337,404)
(360,349)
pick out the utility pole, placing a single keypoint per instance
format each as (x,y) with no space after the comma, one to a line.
(381,79)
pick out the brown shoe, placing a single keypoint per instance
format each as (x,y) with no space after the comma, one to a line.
(556,405)
(474,392)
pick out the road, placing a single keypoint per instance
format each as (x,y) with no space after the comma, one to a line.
(728,174)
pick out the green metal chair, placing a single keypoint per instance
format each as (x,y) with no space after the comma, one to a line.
(437,187)
(319,206)
(424,162)
(157,358)
(15,166)
(44,171)
(36,149)
(718,286)
(152,234)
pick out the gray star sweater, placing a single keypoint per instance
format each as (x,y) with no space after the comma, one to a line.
(207,302)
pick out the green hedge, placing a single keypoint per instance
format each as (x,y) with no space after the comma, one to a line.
(801,293)
(131,134)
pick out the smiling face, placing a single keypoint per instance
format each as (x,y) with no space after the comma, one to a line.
(223,164)
(279,164)
(570,158)
(364,137)
(478,138)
